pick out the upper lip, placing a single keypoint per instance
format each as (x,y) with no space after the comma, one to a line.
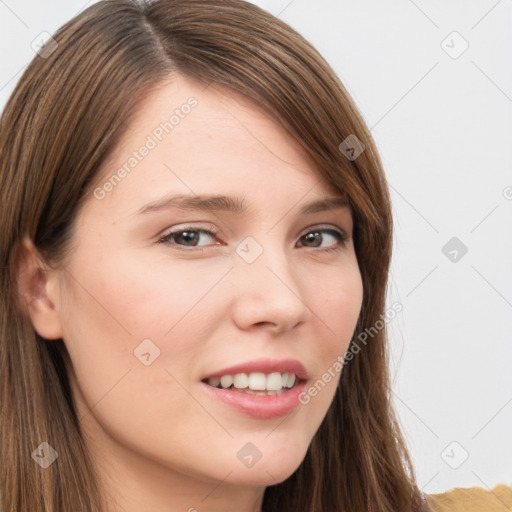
(264,366)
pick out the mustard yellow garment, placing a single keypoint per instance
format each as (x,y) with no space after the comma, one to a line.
(472,499)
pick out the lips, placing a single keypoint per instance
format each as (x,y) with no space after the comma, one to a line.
(262,405)
(259,407)
(266,366)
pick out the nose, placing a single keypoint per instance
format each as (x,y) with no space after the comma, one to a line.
(269,293)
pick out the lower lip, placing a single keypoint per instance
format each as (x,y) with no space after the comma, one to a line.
(262,407)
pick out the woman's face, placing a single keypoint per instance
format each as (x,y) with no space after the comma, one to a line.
(160,293)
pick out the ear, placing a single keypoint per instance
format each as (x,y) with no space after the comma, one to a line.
(37,287)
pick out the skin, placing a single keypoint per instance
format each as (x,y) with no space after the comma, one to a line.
(160,442)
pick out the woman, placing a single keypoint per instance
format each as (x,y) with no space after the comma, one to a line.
(132,354)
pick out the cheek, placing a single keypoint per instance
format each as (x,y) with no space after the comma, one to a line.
(115,305)
(134,300)
(337,312)
(110,313)
(340,304)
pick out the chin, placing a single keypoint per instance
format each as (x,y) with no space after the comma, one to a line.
(264,473)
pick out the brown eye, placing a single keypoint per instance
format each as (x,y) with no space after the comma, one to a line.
(187,237)
(316,237)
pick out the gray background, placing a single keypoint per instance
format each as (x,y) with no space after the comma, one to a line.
(442,120)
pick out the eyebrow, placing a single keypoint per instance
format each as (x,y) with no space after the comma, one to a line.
(235,205)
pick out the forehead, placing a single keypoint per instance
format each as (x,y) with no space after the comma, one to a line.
(190,138)
(183,112)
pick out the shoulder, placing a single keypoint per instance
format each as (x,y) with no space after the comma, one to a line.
(472,499)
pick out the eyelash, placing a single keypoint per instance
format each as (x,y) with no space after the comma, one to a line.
(339,235)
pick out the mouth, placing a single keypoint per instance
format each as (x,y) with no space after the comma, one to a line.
(263,388)
(255,383)
(261,391)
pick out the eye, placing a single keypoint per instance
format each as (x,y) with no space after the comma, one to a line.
(189,236)
(313,236)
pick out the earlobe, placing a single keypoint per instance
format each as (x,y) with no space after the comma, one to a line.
(37,286)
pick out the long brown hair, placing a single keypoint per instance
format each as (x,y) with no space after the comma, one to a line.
(66,114)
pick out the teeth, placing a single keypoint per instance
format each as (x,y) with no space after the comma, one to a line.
(274,381)
(269,393)
(215,382)
(256,381)
(240,380)
(291,380)
(225,381)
